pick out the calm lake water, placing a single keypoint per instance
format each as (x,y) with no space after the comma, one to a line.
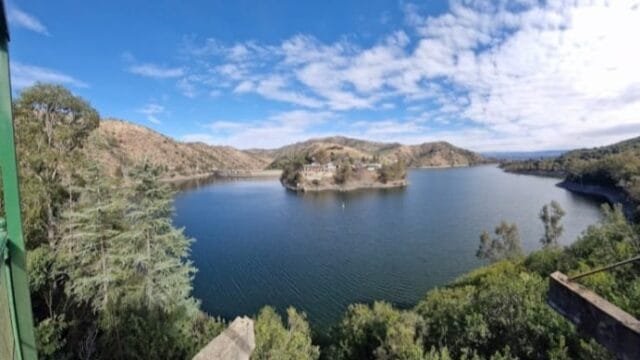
(258,244)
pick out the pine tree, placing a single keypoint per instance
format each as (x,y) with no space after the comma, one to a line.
(156,256)
(91,234)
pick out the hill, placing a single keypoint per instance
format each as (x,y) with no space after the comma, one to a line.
(435,154)
(600,170)
(118,144)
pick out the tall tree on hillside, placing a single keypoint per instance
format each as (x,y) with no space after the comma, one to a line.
(93,231)
(551,215)
(51,124)
(157,256)
(505,245)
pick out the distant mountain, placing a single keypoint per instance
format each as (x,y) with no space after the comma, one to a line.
(523,155)
(434,154)
(118,144)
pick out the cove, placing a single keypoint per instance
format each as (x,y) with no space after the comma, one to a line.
(258,244)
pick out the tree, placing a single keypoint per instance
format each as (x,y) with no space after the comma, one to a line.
(291,172)
(377,332)
(274,341)
(551,215)
(344,172)
(155,256)
(393,171)
(506,244)
(51,125)
(93,232)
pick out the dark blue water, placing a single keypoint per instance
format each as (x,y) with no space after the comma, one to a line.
(258,244)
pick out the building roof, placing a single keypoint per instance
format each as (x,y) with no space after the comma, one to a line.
(4,27)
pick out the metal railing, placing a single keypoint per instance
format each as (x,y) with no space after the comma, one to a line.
(17,339)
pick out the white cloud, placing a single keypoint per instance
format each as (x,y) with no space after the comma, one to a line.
(278,130)
(156,71)
(151,111)
(27,21)
(522,75)
(23,75)
(275,88)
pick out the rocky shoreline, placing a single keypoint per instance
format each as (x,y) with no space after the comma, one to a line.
(346,187)
(612,195)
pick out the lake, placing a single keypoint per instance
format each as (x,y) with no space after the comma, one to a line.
(258,244)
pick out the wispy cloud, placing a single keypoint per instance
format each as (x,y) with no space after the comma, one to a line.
(544,74)
(151,111)
(278,130)
(24,20)
(156,71)
(23,75)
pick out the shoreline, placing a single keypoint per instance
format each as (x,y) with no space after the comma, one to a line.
(610,194)
(224,174)
(347,187)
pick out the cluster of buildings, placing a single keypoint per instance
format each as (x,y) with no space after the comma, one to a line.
(317,171)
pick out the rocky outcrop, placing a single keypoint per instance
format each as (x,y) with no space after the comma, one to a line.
(612,195)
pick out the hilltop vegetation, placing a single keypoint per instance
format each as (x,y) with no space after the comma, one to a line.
(436,154)
(616,166)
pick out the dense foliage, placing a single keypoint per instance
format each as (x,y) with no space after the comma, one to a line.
(505,245)
(393,171)
(499,311)
(109,273)
(277,341)
(617,165)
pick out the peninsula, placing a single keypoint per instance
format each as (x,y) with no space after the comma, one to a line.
(343,173)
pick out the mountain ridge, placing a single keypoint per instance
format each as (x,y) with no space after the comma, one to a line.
(117,144)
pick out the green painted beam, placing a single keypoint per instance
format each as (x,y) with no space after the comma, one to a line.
(20,298)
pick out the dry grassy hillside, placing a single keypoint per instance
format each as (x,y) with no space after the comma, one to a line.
(435,154)
(315,150)
(119,144)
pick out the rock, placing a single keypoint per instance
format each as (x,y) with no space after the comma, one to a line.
(235,343)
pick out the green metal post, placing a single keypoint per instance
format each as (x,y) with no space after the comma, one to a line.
(16,271)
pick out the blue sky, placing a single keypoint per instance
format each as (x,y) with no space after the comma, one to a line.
(486,75)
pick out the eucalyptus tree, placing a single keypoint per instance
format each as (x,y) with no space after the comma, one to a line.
(551,216)
(51,125)
(504,245)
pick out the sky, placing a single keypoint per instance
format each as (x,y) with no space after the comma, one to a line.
(520,75)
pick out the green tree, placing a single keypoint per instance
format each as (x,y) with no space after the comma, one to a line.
(156,255)
(393,171)
(274,341)
(505,245)
(377,332)
(93,232)
(291,172)
(344,172)
(551,215)
(51,125)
